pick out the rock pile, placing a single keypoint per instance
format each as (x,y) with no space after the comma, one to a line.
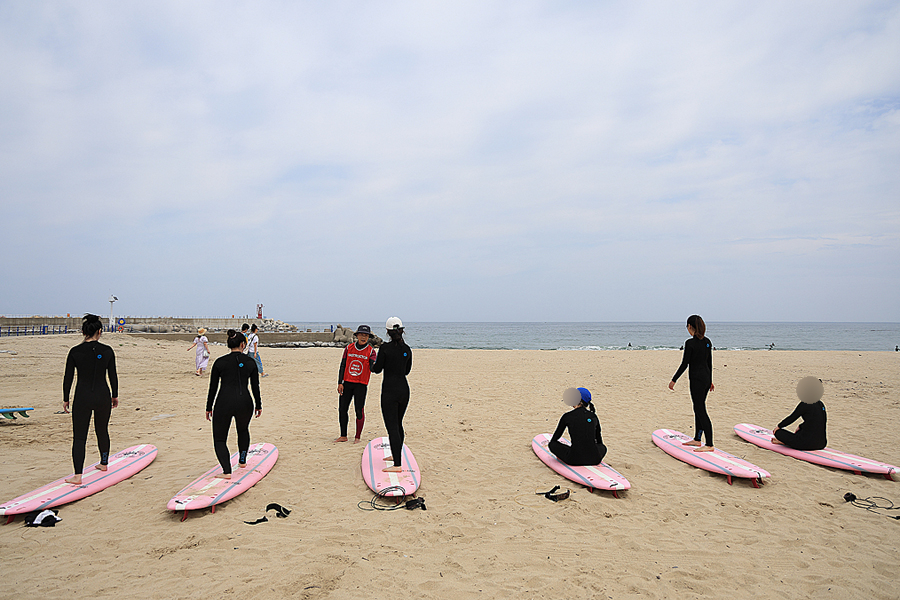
(265,326)
(274,325)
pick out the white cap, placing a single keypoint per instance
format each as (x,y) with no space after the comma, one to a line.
(393,323)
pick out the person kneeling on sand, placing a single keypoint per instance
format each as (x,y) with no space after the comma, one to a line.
(584,428)
(810,435)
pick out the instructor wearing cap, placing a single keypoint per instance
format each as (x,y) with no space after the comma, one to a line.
(395,360)
(353,381)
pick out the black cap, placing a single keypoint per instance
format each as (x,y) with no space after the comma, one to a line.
(363,329)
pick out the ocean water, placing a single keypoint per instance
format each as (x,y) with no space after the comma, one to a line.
(641,336)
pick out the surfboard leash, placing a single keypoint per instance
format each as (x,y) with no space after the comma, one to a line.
(373,504)
(871,504)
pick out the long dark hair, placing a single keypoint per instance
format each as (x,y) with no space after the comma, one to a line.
(90,325)
(699,326)
(235,339)
(396,335)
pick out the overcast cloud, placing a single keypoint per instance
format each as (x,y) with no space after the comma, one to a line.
(508,161)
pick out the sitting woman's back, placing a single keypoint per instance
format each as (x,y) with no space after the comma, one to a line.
(584,430)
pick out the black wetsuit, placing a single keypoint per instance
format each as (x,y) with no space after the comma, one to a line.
(235,369)
(811,433)
(395,359)
(587,444)
(698,356)
(93,361)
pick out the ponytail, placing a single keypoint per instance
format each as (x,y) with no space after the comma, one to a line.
(699,326)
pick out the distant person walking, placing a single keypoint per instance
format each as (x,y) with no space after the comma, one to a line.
(245,331)
(232,401)
(395,360)
(253,349)
(353,381)
(93,362)
(202,344)
(698,357)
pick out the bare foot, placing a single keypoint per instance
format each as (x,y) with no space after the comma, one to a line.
(775,441)
(705,449)
(76,479)
(101,467)
(392,469)
(691,443)
(343,438)
(223,476)
(242,465)
(388,459)
(355,440)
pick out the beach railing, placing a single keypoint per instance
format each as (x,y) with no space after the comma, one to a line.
(18,330)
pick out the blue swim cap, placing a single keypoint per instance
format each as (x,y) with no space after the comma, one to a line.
(585,395)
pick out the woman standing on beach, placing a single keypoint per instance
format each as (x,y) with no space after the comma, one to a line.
(93,361)
(395,359)
(584,428)
(698,357)
(202,344)
(232,401)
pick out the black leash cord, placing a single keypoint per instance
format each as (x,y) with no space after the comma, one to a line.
(373,503)
(871,504)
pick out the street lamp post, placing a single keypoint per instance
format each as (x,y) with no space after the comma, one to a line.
(111,300)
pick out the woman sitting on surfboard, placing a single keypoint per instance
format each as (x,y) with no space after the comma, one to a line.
(395,359)
(698,356)
(584,428)
(93,361)
(810,435)
(233,401)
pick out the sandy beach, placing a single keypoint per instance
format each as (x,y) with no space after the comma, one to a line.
(678,533)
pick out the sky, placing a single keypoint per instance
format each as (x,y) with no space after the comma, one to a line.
(452,161)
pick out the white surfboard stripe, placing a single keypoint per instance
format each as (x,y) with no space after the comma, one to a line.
(603,475)
(852,458)
(722,455)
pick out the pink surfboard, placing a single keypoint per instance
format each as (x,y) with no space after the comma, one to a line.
(122,465)
(404,483)
(671,442)
(601,477)
(827,457)
(209,490)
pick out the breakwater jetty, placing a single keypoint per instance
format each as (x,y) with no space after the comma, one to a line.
(272,332)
